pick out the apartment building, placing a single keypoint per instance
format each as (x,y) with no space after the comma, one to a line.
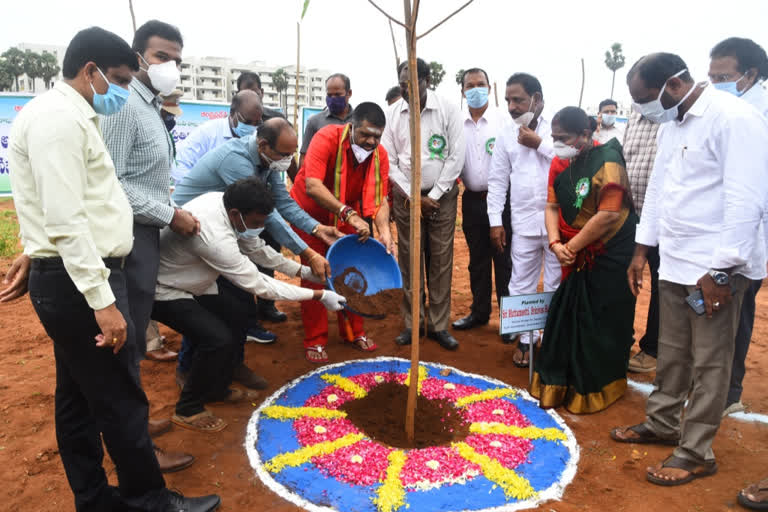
(25,83)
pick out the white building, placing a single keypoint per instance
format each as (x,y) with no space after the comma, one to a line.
(25,83)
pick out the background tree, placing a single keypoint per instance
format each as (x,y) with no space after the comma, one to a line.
(436,74)
(32,66)
(49,68)
(280,83)
(6,77)
(459,78)
(614,60)
(14,61)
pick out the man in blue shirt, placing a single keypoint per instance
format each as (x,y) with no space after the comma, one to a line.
(266,155)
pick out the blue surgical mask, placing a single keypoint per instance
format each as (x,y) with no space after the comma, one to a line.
(608,119)
(477,97)
(111,101)
(248,233)
(730,87)
(243,130)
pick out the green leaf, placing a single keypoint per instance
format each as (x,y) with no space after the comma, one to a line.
(304,11)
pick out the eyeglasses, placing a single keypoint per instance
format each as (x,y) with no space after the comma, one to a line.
(243,120)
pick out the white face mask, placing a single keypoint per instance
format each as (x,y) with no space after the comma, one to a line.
(564,151)
(249,233)
(608,119)
(281,165)
(163,77)
(525,119)
(655,112)
(361,154)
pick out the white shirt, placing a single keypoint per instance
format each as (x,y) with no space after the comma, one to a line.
(525,172)
(441,164)
(190,266)
(480,137)
(209,135)
(757,96)
(706,195)
(68,198)
(607,133)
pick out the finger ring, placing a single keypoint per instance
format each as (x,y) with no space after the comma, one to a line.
(716,304)
(114,341)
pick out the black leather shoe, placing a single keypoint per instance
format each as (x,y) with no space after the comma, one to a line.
(508,338)
(468,322)
(404,338)
(445,339)
(272,314)
(179,503)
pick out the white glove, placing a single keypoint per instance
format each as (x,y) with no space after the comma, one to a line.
(332,301)
(307,274)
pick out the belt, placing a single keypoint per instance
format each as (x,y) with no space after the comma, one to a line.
(57,263)
(472,193)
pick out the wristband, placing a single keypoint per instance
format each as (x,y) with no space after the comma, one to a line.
(315,229)
(554,243)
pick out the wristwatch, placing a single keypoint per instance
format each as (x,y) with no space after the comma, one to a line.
(719,277)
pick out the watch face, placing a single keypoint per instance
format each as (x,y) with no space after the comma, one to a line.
(720,278)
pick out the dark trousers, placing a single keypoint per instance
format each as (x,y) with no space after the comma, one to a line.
(214,329)
(743,337)
(98,396)
(266,303)
(141,267)
(649,343)
(482,255)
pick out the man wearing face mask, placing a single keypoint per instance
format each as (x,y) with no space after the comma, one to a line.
(607,127)
(191,300)
(482,125)
(77,229)
(520,164)
(142,151)
(338,110)
(245,116)
(703,209)
(344,180)
(442,157)
(738,66)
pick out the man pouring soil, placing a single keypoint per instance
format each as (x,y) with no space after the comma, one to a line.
(344,180)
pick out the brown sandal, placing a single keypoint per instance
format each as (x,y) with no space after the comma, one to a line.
(694,470)
(644,436)
(201,422)
(755,497)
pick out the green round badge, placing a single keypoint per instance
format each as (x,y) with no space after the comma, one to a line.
(436,147)
(582,190)
(489,145)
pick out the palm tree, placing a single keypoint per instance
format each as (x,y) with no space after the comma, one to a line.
(460,78)
(436,74)
(14,63)
(280,83)
(49,68)
(614,60)
(6,77)
(32,66)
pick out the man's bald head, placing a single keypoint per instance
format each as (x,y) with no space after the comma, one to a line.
(278,135)
(246,107)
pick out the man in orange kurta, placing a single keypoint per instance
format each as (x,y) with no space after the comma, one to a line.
(344,181)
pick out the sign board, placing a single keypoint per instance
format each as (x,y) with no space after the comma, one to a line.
(195,113)
(523,313)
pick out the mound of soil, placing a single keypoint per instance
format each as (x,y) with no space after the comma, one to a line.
(383,302)
(381,416)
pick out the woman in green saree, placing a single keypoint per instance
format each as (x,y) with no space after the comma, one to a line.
(591,223)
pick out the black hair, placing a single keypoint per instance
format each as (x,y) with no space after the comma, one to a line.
(655,69)
(573,120)
(422,68)
(249,195)
(246,79)
(530,83)
(270,131)
(155,28)
(474,70)
(344,78)
(105,49)
(606,103)
(592,124)
(392,93)
(371,112)
(748,53)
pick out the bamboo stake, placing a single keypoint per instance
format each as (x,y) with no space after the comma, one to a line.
(495,94)
(298,62)
(394,45)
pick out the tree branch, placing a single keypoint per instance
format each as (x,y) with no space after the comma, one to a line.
(454,13)
(382,11)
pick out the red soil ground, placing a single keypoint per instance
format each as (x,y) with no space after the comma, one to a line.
(610,477)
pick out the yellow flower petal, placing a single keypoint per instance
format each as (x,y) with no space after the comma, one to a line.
(345,384)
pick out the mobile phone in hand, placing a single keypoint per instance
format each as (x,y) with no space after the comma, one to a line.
(696,301)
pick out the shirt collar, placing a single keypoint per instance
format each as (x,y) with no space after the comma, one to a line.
(432,102)
(488,115)
(144,92)
(756,95)
(700,105)
(76,98)
(349,115)
(224,128)
(253,149)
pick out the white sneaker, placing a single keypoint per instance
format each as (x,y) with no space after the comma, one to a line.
(734,407)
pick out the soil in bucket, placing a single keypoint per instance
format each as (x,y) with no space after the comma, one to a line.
(352,285)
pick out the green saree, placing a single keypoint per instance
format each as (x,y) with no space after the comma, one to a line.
(584,354)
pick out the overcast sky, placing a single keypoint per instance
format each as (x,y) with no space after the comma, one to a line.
(546,38)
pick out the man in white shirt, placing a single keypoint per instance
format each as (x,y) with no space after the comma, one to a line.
(245,114)
(738,66)
(520,164)
(213,319)
(607,127)
(442,157)
(482,125)
(703,209)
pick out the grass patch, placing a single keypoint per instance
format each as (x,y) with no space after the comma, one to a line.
(9,234)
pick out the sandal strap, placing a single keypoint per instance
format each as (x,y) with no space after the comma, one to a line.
(684,464)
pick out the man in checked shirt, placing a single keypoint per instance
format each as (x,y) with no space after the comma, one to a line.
(639,154)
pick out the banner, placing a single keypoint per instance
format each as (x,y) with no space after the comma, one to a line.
(523,313)
(195,113)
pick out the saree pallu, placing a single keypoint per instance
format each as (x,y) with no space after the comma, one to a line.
(582,363)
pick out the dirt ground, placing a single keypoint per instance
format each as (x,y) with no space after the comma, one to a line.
(610,476)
